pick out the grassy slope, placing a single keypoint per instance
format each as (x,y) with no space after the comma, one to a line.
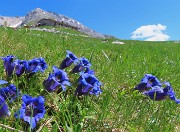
(118,106)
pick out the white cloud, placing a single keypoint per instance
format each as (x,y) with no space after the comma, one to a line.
(151,33)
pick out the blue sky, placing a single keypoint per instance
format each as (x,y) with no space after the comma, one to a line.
(125,19)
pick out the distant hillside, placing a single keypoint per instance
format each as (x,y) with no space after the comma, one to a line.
(39,17)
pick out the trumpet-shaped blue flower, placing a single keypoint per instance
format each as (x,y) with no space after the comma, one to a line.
(8,64)
(10,92)
(4,111)
(35,65)
(56,79)
(70,58)
(147,82)
(20,67)
(88,83)
(32,110)
(84,63)
(158,93)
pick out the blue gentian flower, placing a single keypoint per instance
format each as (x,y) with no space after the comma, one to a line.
(158,93)
(84,63)
(35,65)
(32,110)
(10,92)
(70,58)
(147,82)
(56,79)
(4,111)
(8,64)
(88,83)
(20,67)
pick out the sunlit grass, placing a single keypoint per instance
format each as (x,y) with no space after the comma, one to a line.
(118,67)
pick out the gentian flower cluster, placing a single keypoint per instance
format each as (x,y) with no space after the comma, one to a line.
(88,83)
(81,64)
(56,79)
(23,66)
(32,110)
(147,82)
(153,88)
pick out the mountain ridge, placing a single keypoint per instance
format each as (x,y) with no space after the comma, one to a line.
(40,17)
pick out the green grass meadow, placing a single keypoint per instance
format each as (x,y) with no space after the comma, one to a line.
(119,67)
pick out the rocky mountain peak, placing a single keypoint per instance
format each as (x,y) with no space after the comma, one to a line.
(40,17)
